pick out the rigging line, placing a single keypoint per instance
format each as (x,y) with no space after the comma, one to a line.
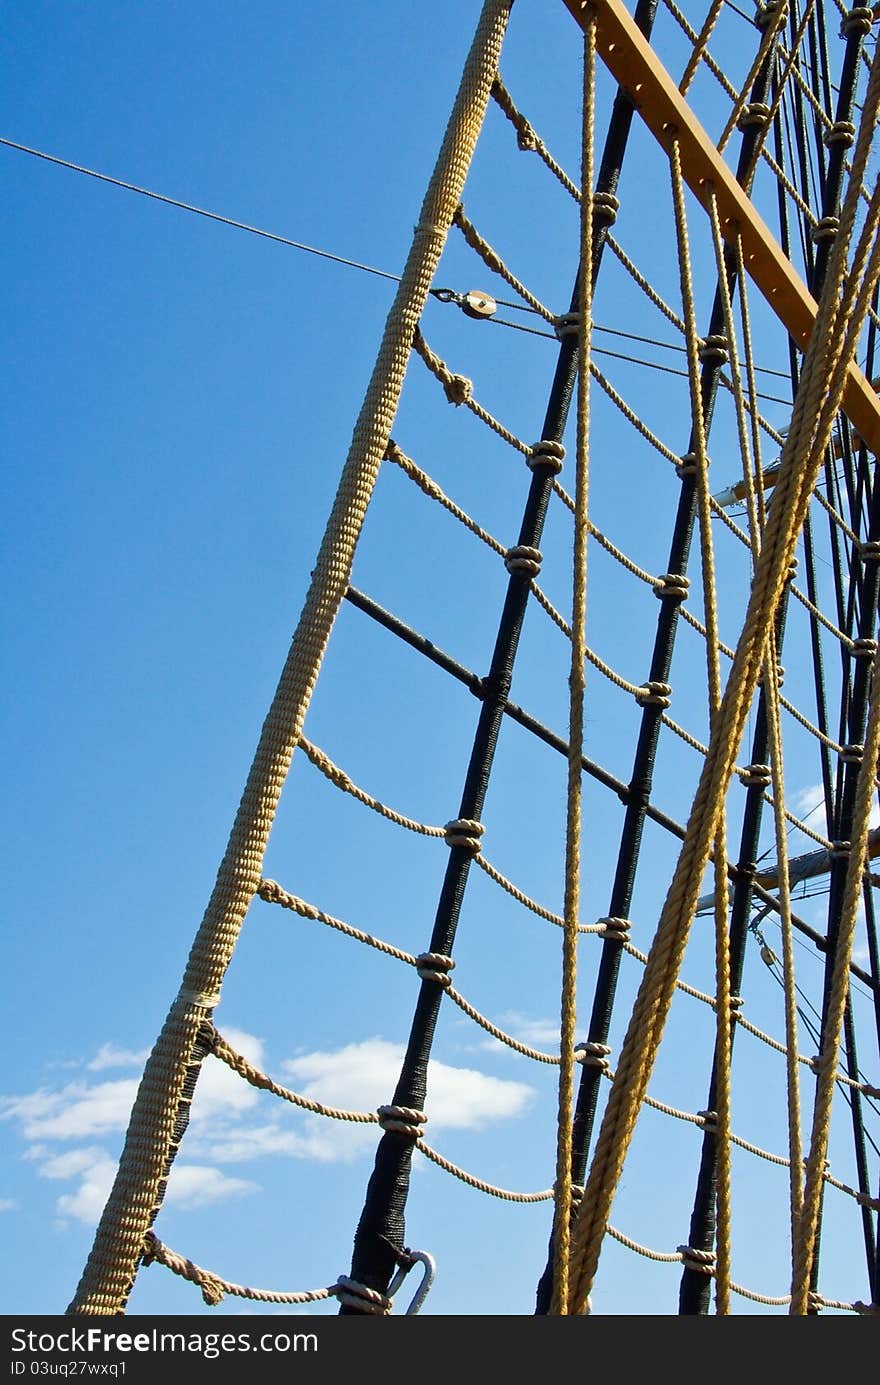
(314,250)
(199,211)
(815,1036)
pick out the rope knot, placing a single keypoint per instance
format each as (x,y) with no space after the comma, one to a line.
(872,1308)
(605,208)
(615,929)
(592,1055)
(841,132)
(355,1295)
(672,586)
(458,389)
(826,229)
(687,466)
(402,1120)
(464,832)
(709,1122)
(858,21)
(840,850)
(852,754)
(546,453)
(714,348)
(435,966)
(523,559)
(863,648)
(756,776)
(756,113)
(693,1259)
(869,551)
(654,694)
(765,16)
(568,325)
(526,136)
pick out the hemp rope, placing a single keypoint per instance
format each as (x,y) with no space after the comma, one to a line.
(112,1264)
(576,682)
(817,401)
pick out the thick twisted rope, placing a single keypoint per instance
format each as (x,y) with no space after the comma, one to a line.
(111,1266)
(818,399)
(576,684)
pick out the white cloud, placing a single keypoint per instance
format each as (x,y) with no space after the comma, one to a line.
(363,1076)
(359,1076)
(74,1112)
(198,1185)
(111,1056)
(73,1162)
(87,1203)
(806,801)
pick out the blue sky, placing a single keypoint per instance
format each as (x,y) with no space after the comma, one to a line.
(178,399)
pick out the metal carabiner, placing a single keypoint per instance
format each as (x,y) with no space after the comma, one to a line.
(445,295)
(407,1259)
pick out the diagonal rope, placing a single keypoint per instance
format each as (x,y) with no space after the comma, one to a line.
(822,382)
(158,1112)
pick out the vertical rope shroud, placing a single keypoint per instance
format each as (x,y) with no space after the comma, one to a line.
(563,1186)
(112,1264)
(832,344)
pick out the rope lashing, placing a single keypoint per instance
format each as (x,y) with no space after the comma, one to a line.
(869,551)
(686,465)
(841,132)
(672,586)
(605,208)
(546,453)
(203,1000)
(858,21)
(840,850)
(615,929)
(852,754)
(592,1055)
(714,348)
(826,229)
(756,113)
(522,558)
(435,966)
(756,776)
(703,1261)
(709,1121)
(863,648)
(464,832)
(402,1120)
(654,694)
(567,325)
(364,1299)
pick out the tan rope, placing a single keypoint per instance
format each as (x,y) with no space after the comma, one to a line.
(528,139)
(492,260)
(699,49)
(576,683)
(272,893)
(429,487)
(478,1183)
(213,1287)
(109,1273)
(828,1058)
(825,369)
(647,288)
(338,777)
(710,616)
(457,389)
(768,38)
(223,1050)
